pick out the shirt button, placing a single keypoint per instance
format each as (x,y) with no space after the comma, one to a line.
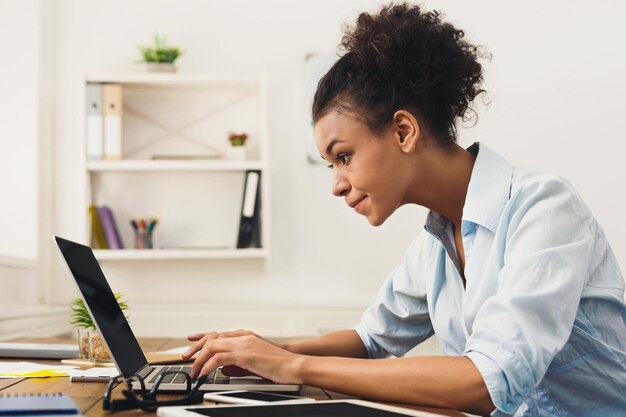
(509,408)
(518,398)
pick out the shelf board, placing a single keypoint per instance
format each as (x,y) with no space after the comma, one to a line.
(177,254)
(174,80)
(150,165)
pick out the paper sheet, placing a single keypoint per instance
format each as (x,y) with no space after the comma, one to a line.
(180,350)
(32,370)
(96,371)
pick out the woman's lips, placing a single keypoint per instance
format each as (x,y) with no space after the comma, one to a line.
(358,205)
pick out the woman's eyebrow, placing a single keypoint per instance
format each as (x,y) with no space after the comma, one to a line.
(331,144)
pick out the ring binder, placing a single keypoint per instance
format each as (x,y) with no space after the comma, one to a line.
(250,224)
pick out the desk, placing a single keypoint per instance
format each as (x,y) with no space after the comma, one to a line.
(88,395)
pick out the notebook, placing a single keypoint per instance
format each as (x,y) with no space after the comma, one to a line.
(37,404)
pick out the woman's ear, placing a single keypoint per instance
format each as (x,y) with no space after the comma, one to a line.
(406,130)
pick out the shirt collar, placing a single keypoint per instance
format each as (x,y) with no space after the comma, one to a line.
(489,188)
(487,194)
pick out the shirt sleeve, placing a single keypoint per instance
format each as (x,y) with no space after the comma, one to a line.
(399,320)
(547,253)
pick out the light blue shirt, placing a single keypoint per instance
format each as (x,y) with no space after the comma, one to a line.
(542,315)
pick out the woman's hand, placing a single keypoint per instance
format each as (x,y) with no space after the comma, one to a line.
(242,352)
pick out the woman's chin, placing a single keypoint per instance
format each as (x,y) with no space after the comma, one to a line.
(375,220)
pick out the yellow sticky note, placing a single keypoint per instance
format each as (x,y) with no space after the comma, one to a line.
(37,374)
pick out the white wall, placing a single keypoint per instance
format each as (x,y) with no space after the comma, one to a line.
(19,83)
(557,101)
(19,162)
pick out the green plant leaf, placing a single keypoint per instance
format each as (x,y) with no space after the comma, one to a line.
(159,52)
(80,316)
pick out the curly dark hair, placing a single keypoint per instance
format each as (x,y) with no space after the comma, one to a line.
(403,58)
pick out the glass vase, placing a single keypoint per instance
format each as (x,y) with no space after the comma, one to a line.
(83,343)
(98,351)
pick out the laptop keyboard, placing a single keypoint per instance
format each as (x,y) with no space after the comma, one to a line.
(175,378)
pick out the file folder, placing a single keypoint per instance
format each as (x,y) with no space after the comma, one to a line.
(250,222)
(94,124)
(112,102)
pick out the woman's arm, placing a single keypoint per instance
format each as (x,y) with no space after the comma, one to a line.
(452,382)
(344,343)
(438,381)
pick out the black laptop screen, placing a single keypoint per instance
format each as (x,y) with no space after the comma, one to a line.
(104,308)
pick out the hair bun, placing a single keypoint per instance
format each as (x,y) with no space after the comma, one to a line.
(404,57)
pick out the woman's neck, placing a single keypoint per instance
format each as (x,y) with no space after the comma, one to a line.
(444,188)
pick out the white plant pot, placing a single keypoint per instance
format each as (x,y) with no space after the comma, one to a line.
(236,153)
(160,67)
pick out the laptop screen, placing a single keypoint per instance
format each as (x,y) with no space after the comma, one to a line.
(103,306)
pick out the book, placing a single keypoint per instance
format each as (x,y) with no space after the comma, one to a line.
(112,112)
(94,124)
(98,239)
(109,226)
(37,404)
(250,224)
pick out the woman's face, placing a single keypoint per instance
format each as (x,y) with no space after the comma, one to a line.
(369,171)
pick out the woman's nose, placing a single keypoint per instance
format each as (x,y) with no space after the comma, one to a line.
(340,185)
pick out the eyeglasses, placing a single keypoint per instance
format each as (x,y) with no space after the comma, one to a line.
(147,399)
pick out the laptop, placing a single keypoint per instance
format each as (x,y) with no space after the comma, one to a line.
(122,343)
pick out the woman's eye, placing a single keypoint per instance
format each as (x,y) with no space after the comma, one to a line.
(344,158)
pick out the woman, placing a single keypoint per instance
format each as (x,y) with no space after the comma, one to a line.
(512,273)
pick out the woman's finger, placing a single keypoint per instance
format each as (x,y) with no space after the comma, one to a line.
(217,360)
(210,349)
(196,347)
(204,355)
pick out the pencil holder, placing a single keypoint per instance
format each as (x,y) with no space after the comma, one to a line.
(143,239)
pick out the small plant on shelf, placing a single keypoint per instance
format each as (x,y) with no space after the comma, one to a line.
(237,149)
(90,343)
(238,139)
(159,57)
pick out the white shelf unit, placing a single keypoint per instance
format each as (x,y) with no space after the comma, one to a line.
(198,202)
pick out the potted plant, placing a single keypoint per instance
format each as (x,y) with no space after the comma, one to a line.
(237,150)
(159,57)
(90,343)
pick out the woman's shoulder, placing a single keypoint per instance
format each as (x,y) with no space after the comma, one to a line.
(525,181)
(544,191)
